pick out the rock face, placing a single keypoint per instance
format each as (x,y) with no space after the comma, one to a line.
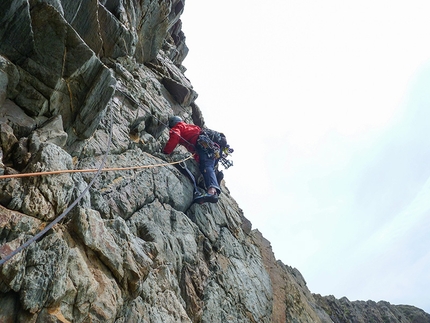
(342,310)
(86,83)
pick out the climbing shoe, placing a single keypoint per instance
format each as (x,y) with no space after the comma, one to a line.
(211,198)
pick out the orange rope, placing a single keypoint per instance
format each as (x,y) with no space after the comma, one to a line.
(63,171)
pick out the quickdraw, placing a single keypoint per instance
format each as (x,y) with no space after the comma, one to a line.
(226,163)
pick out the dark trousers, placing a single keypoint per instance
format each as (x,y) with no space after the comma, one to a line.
(207,168)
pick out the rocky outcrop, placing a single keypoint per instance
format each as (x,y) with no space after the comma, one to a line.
(342,310)
(89,84)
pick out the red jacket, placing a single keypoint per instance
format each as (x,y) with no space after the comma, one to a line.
(185,135)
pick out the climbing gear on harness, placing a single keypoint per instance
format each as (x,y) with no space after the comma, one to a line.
(215,136)
(226,163)
(213,143)
(227,150)
(211,149)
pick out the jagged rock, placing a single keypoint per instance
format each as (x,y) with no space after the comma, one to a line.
(118,40)
(180,93)
(50,132)
(1,162)
(152,31)
(20,154)
(15,20)
(122,253)
(9,78)
(15,228)
(17,119)
(87,82)
(343,310)
(292,300)
(237,261)
(124,193)
(4,80)
(59,74)
(8,301)
(43,284)
(82,15)
(45,197)
(8,140)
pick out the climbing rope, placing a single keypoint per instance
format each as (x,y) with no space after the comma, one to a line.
(65,171)
(76,201)
(71,206)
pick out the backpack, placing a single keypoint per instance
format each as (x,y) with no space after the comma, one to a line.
(212,142)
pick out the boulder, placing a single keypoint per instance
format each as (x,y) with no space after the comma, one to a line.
(46,197)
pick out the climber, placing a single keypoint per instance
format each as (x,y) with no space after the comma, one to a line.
(206,145)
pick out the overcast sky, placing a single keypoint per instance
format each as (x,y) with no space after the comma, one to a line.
(327,105)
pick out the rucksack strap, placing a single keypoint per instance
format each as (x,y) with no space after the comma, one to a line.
(211,148)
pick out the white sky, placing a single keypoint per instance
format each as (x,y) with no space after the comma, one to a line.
(326,104)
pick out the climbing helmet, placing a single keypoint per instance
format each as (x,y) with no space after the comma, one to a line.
(174,120)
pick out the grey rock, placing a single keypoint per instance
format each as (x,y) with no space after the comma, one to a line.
(7,140)
(1,162)
(17,119)
(51,132)
(9,78)
(15,228)
(46,197)
(118,40)
(95,235)
(46,259)
(87,82)
(9,302)
(82,15)
(152,31)
(237,262)
(343,310)
(21,154)
(15,17)
(292,300)
(83,285)
(59,73)
(180,93)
